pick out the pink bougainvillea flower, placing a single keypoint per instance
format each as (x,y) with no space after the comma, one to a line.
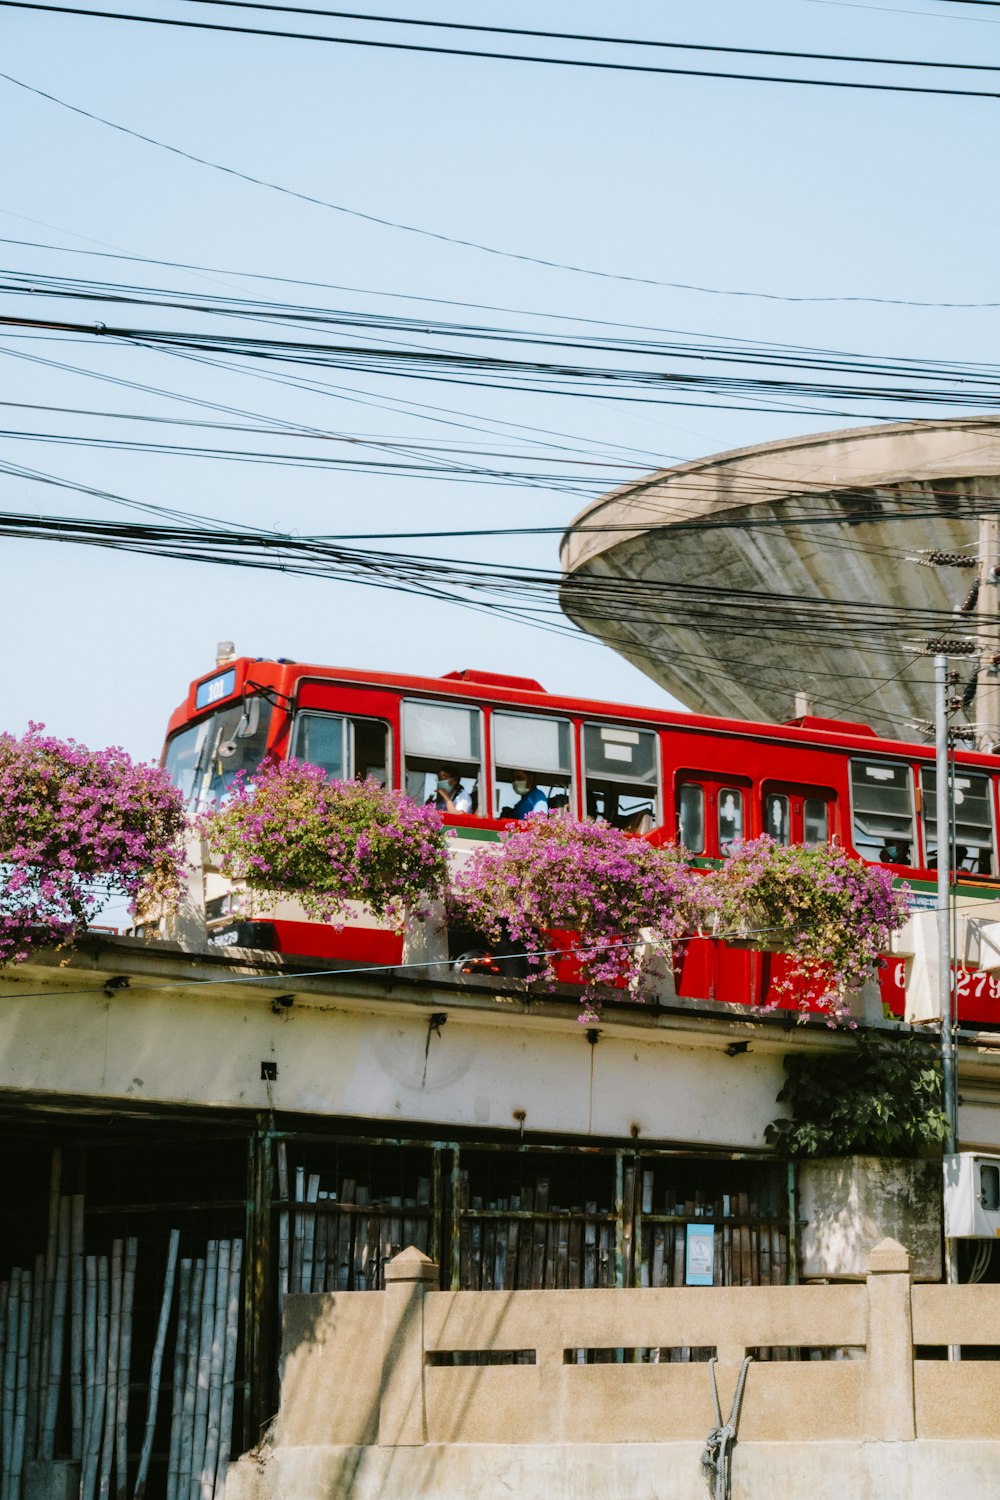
(288,831)
(76,827)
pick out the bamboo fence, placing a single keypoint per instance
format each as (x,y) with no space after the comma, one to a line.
(66,1365)
(341,1240)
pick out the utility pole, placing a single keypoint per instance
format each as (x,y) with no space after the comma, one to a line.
(987,714)
(943,802)
(943,805)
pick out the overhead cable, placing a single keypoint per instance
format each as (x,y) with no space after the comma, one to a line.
(602,65)
(432,234)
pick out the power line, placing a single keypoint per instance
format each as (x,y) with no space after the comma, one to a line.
(681,286)
(563,62)
(604,40)
(462,243)
(916,383)
(737,611)
(895,10)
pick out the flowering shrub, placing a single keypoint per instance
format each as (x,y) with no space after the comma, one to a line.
(288,831)
(551,873)
(77,826)
(830,914)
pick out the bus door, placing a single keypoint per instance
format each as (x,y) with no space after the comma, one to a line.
(795,814)
(792,813)
(713,813)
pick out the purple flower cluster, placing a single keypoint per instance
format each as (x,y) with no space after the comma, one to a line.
(77,826)
(552,874)
(831,915)
(288,831)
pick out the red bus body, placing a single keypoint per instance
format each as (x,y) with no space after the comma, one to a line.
(778,770)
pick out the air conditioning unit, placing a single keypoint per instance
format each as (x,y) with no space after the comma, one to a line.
(971,1196)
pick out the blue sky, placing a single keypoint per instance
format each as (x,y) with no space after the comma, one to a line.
(791,191)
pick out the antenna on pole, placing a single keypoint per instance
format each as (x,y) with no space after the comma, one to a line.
(987,682)
(943,803)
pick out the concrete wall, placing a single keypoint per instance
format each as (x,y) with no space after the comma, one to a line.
(188,1031)
(609,1471)
(372,1404)
(145,1025)
(848,1204)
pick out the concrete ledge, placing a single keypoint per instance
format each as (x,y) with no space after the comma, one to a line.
(919,1470)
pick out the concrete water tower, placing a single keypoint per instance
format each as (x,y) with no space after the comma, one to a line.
(856,482)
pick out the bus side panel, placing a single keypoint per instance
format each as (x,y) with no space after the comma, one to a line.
(366,945)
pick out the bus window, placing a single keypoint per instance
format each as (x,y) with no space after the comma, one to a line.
(882,821)
(204,759)
(346,748)
(691,817)
(796,814)
(436,737)
(621,777)
(778,817)
(815,821)
(730,817)
(319,740)
(973,821)
(538,747)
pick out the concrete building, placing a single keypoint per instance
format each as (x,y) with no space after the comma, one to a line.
(865,500)
(543,1344)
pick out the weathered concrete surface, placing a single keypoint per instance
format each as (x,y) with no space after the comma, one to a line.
(409,1374)
(51,1479)
(193,1030)
(922,1470)
(850,1203)
(633,534)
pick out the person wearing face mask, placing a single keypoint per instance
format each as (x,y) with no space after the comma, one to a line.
(451,796)
(532,798)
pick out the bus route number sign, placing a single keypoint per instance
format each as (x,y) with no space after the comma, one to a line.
(215,689)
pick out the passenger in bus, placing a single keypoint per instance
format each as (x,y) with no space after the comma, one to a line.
(531,797)
(451,796)
(895,854)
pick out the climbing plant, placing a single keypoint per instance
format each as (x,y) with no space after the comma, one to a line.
(883,1097)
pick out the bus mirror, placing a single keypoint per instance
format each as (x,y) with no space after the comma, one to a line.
(249,720)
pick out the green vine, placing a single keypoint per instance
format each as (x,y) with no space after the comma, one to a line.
(883,1098)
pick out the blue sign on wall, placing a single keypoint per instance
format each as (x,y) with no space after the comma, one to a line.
(699,1262)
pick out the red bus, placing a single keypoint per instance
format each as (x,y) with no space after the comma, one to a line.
(702,781)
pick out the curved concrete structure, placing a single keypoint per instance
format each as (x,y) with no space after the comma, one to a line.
(839,476)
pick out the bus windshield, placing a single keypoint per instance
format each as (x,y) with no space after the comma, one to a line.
(204,759)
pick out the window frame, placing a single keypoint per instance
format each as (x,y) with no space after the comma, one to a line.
(348,718)
(484,781)
(516,712)
(916,845)
(695,853)
(957,771)
(799,792)
(713,783)
(658,787)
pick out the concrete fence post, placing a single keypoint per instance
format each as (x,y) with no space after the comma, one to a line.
(401,1419)
(889,1412)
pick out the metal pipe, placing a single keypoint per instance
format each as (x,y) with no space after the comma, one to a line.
(943,826)
(943,787)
